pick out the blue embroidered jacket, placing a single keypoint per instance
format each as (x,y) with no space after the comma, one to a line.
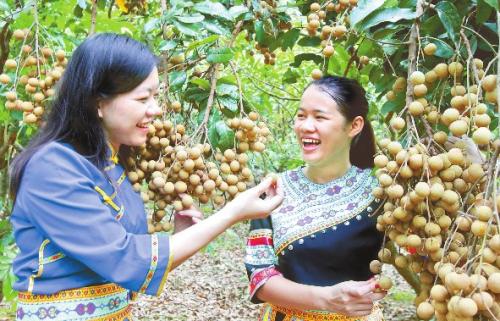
(76,227)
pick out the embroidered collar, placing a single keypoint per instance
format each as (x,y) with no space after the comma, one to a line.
(310,207)
(114,154)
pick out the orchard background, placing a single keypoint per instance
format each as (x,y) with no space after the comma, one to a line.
(232,75)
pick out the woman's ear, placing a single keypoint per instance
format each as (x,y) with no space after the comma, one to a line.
(357,125)
(100,104)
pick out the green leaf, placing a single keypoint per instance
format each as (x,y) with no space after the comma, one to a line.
(370,48)
(8,292)
(151,25)
(200,82)
(494,4)
(309,42)
(290,76)
(259,31)
(228,102)
(215,27)
(363,9)
(166,45)
(431,26)
(190,29)
(215,9)
(196,94)
(390,106)
(78,11)
(177,79)
(338,62)
(443,50)
(219,55)
(289,38)
(237,11)
(226,135)
(385,15)
(308,57)
(483,12)
(448,14)
(205,41)
(492,26)
(191,19)
(227,90)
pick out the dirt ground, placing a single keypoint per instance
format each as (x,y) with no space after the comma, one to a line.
(213,286)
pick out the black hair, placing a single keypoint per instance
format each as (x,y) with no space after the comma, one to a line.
(350,98)
(102,66)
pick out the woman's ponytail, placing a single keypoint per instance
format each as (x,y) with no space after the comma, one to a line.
(363,149)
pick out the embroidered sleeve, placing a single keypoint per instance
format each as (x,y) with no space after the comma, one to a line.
(59,198)
(260,260)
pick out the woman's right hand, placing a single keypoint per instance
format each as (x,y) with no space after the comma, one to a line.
(250,205)
(351,298)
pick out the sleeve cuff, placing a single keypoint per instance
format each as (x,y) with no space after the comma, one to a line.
(259,278)
(161,263)
(167,270)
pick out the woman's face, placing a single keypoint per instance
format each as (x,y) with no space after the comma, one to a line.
(323,133)
(126,116)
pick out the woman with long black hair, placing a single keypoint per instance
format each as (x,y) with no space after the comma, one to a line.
(80,227)
(310,259)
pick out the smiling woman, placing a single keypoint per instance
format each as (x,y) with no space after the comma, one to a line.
(126,117)
(310,259)
(80,227)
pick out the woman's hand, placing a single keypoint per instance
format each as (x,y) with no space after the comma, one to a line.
(250,205)
(351,298)
(186,218)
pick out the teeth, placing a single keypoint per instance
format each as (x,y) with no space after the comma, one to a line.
(143,125)
(310,141)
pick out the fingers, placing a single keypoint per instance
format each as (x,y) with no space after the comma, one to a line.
(274,201)
(359,313)
(359,289)
(191,213)
(263,186)
(375,296)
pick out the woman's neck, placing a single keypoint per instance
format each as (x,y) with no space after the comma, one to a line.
(325,173)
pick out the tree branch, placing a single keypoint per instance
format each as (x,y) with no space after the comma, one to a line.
(406,273)
(5,36)
(93,17)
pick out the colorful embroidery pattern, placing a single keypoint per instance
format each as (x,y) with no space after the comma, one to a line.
(259,277)
(101,302)
(310,207)
(154,263)
(269,313)
(260,248)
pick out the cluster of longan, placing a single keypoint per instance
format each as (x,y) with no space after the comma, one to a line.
(316,21)
(435,213)
(465,113)
(176,171)
(30,77)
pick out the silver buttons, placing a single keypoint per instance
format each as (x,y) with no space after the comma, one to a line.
(301,241)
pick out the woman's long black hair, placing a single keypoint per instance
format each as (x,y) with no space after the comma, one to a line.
(103,66)
(350,98)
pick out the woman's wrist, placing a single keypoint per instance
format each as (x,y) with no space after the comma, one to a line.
(228,215)
(317,294)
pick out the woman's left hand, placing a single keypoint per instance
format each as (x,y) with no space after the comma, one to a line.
(186,218)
